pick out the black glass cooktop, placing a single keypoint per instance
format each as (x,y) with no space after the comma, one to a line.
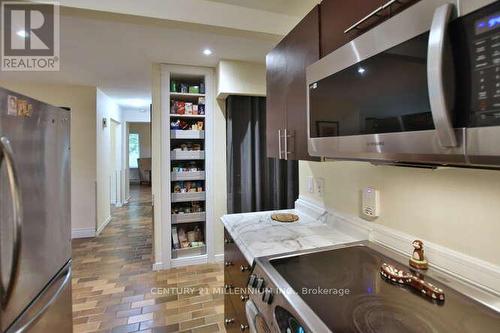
(345,289)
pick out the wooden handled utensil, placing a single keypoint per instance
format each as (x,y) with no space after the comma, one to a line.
(406,278)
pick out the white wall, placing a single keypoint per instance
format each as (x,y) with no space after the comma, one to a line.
(240,78)
(455,208)
(82,101)
(232,78)
(220,174)
(131,115)
(144,131)
(107,179)
(156,142)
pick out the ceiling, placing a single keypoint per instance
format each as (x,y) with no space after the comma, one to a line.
(115,52)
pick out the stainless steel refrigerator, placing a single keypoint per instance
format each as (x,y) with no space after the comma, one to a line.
(35,224)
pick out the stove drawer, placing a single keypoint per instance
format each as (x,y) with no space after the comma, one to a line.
(234,314)
(236,268)
(236,272)
(230,321)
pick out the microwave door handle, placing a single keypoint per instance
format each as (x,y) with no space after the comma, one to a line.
(441,83)
(7,156)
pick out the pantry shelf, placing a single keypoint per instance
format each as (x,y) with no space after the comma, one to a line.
(198,116)
(178,94)
(187,114)
(188,218)
(187,155)
(188,175)
(189,252)
(187,134)
(188,196)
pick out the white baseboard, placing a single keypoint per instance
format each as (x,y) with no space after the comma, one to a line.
(219,257)
(82,233)
(158,266)
(470,269)
(101,228)
(195,260)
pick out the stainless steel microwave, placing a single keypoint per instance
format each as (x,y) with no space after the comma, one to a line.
(421,88)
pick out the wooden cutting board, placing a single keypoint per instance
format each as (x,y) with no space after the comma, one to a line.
(285,218)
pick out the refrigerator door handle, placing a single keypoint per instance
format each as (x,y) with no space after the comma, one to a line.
(41,304)
(7,156)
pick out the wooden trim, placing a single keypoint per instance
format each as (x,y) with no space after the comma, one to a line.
(82,233)
(101,228)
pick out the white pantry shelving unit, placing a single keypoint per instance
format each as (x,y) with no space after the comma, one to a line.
(187,171)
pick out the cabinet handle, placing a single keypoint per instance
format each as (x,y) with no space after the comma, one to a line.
(228,263)
(228,287)
(376,12)
(286,136)
(286,145)
(244,298)
(228,241)
(244,268)
(229,321)
(13,181)
(279,144)
(243,328)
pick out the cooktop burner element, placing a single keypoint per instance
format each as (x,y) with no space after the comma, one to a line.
(372,314)
(344,288)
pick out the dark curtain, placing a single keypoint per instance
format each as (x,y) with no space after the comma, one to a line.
(255,182)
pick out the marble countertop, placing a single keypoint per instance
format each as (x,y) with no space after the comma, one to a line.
(257,235)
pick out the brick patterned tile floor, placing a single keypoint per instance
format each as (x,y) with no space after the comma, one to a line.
(115,289)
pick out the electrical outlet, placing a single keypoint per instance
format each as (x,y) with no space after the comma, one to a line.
(310,184)
(370,203)
(320,186)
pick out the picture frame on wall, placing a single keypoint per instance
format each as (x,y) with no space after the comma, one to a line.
(327,128)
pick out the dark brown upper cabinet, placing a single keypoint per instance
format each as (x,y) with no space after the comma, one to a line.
(286,90)
(337,16)
(275,99)
(322,31)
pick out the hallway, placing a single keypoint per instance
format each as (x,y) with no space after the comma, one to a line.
(113,281)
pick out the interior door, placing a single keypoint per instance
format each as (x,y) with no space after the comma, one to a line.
(39,137)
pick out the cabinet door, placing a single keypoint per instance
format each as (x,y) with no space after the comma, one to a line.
(302,49)
(337,16)
(276,78)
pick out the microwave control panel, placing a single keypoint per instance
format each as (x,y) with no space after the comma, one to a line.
(485,62)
